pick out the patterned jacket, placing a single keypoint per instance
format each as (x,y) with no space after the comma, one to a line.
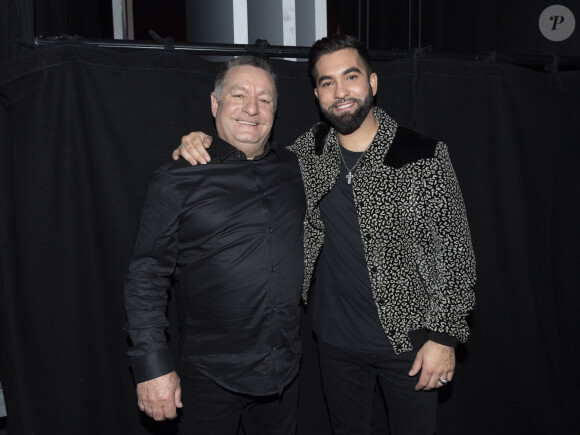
(413,225)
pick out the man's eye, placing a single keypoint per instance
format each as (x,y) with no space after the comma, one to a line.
(352,77)
(325,85)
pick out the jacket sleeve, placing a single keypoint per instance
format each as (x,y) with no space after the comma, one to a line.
(451,274)
(149,279)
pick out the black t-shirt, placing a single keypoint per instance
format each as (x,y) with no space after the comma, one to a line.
(345,313)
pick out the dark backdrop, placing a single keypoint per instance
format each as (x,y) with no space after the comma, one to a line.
(82,129)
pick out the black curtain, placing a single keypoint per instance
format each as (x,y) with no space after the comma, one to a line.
(82,129)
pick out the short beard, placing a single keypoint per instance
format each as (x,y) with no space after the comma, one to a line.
(348,123)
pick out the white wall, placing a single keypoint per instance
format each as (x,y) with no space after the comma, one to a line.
(280,22)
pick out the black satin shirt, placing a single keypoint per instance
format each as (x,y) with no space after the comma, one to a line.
(227,236)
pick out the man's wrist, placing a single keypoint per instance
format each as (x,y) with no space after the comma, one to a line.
(442,338)
(152,365)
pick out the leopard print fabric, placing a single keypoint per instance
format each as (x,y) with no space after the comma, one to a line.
(414,229)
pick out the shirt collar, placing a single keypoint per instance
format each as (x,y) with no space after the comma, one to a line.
(222,150)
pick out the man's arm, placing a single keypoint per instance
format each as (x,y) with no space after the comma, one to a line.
(150,271)
(193,148)
(451,276)
(450,270)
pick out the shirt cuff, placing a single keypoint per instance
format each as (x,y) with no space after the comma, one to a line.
(442,338)
(152,365)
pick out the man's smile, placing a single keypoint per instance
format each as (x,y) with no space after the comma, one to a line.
(254,124)
(345,105)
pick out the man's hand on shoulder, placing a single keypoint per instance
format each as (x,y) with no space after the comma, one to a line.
(193,148)
(159,398)
(436,362)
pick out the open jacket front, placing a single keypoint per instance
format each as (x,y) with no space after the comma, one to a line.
(413,225)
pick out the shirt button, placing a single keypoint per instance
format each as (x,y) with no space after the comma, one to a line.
(273,269)
(275,309)
(274,347)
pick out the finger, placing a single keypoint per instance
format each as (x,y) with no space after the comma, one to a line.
(194,139)
(187,154)
(432,383)
(450,375)
(423,382)
(416,365)
(181,150)
(158,413)
(178,402)
(447,376)
(197,153)
(197,146)
(186,147)
(148,410)
(169,412)
(200,143)
(444,379)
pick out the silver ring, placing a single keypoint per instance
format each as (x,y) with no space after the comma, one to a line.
(181,146)
(444,381)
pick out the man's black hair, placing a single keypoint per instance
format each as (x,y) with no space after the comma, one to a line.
(330,44)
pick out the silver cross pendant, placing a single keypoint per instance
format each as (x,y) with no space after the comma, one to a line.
(349,177)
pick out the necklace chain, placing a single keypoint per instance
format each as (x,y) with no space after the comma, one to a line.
(349,175)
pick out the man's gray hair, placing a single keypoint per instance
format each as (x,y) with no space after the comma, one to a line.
(254,61)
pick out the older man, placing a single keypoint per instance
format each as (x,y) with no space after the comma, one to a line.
(227,237)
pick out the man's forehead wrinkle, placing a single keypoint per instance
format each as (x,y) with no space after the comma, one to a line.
(238,87)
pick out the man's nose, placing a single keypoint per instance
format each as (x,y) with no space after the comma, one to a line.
(251,106)
(340,91)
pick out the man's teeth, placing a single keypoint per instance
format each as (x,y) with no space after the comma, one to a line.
(343,106)
(247,123)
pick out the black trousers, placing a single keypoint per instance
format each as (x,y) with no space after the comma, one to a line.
(209,409)
(350,379)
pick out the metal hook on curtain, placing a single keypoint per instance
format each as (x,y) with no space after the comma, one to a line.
(553,68)
(261,46)
(168,43)
(416,53)
(491,58)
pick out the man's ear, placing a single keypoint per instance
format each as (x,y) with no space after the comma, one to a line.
(214,104)
(316,92)
(374,81)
